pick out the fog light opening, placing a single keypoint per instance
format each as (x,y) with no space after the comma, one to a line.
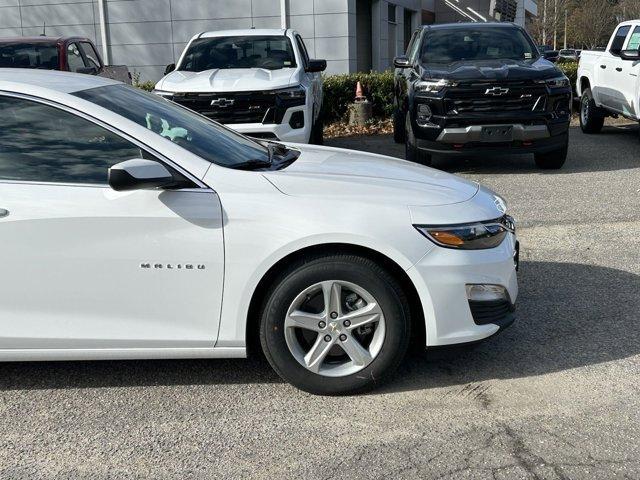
(424,115)
(486,293)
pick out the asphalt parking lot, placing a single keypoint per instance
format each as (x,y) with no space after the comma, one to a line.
(555,396)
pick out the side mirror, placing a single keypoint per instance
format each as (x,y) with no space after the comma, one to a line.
(401,62)
(317,66)
(630,55)
(170,68)
(550,55)
(87,70)
(138,174)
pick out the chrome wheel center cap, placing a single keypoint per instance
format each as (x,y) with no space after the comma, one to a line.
(334,327)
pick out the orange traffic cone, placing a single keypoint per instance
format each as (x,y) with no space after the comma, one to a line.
(359,95)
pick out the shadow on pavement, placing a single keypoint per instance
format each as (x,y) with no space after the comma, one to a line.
(569,316)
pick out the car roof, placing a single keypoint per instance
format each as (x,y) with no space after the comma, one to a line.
(466,25)
(243,32)
(38,39)
(12,79)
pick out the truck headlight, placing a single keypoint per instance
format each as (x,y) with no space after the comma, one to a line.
(432,86)
(164,94)
(469,236)
(292,93)
(557,82)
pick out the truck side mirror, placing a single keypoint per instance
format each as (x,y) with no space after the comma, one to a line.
(170,68)
(401,62)
(317,66)
(633,55)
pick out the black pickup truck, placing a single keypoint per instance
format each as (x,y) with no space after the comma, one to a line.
(472,88)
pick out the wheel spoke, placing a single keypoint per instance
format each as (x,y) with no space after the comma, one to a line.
(367,314)
(332,292)
(314,357)
(357,353)
(300,319)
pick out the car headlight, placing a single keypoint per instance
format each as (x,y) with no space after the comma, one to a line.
(164,94)
(469,236)
(432,86)
(557,82)
(292,93)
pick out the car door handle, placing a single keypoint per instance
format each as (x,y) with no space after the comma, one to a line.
(3,212)
(618,69)
(603,66)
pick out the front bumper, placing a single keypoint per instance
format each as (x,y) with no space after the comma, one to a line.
(441,277)
(282,131)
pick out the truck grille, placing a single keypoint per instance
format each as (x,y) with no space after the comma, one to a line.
(491,97)
(233,108)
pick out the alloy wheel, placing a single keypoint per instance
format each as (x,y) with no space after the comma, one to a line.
(334,328)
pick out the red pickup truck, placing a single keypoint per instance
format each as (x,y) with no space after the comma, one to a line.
(69,54)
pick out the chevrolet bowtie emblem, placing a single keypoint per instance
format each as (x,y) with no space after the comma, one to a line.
(222,102)
(496,91)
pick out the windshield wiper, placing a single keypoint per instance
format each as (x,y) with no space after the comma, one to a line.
(252,164)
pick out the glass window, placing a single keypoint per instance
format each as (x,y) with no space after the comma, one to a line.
(29,55)
(193,132)
(414,47)
(303,51)
(618,40)
(483,43)
(91,55)
(74,58)
(634,41)
(251,51)
(41,143)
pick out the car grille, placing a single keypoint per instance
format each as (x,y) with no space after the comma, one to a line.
(490,311)
(232,108)
(491,97)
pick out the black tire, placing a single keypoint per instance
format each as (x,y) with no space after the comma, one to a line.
(411,152)
(346,268)
(399,131)
(553,160)
(317,131)
(591,116)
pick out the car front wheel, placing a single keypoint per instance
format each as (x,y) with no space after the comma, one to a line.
(591,116)
(335,325)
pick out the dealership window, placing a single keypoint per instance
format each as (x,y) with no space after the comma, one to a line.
(392,38)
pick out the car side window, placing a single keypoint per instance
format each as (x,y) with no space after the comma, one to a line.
(41,143)
(303,50)
(74,58)
(618,40)
(414,47)
(91,55)
(634,40)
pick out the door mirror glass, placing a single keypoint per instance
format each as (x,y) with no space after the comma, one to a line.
(630,55)
(402,62)
(138,174)
(170,68)
(317,66)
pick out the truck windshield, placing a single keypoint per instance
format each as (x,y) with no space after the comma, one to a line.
(195,133)
(271,52)
(487,43)
(29,55)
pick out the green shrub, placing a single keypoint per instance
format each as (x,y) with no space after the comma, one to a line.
(340,92)
(570,69)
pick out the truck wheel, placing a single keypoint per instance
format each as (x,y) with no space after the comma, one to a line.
(552,160)
(411,152)
(591,116)
(317,131)
(399,132)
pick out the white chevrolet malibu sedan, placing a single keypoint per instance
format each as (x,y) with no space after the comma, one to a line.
(134,228)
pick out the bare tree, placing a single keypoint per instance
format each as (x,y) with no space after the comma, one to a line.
(591,22)
(629,9)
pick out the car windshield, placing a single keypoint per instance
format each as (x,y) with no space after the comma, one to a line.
(193,132)
(271,52)
(29,55)
(457,44)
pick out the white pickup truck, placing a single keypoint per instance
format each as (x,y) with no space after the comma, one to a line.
(609,81)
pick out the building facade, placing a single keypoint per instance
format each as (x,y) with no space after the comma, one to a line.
(146,35)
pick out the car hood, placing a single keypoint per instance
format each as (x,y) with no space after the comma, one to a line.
(493,70)
(227,80)
(338,173)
